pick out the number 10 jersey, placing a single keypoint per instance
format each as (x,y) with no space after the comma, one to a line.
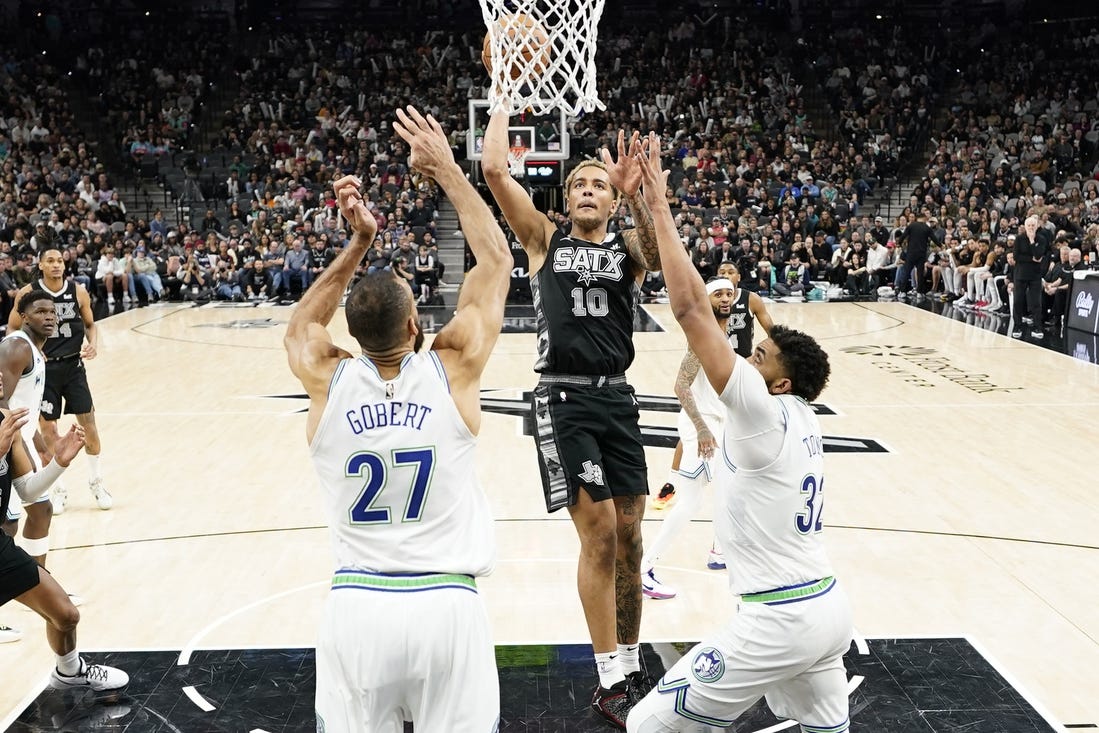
(585,298)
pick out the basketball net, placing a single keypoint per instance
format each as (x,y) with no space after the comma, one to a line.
(562,76)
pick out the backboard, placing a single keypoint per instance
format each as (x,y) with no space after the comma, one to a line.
(545,137)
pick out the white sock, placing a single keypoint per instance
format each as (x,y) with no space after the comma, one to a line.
(93,467)
(673,476)
(610,672)
(69,664)
(629,660)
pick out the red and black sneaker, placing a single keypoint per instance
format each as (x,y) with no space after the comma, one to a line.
(614,704)
(641,684)
(662,499)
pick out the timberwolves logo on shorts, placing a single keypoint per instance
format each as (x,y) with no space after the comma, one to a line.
(709,665)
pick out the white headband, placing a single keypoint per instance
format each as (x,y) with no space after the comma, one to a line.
(720,284)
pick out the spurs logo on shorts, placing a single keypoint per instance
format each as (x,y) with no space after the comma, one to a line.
(592,474)
(709,665)
(47,406)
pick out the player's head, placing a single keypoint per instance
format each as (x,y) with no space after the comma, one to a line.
(52,264)
(792,362)
(381,315)
(729,271)
(38,313)
(722,293)
(590,199)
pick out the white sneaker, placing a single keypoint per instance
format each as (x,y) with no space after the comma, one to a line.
(716,561)
(59,495)
(653,588)
(98,677)
(102,496)
(8,634)
(75,599)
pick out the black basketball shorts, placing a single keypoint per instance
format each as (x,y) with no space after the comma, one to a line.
(66,379)
(18,570)
(588,436)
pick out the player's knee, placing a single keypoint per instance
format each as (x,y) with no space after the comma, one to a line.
(598,539)
(67,617)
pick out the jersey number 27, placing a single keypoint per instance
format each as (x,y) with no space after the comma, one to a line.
(376,470)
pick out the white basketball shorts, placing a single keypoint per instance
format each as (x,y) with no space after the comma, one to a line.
(789,651)
(393,648)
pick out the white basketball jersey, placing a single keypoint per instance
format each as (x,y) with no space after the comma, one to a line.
(768,520)
(28,391)
(397,470)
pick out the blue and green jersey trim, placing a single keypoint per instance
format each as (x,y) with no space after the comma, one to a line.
(792,593)
(346,578)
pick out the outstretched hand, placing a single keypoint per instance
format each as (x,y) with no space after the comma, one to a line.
(9,427)
(353,207)
(427,142)
(654,178)
(68,446)
(624,173)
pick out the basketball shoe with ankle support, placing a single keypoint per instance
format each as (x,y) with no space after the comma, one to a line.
(102,496)
(98,677)
(613,704)
(640,683)
(653,588)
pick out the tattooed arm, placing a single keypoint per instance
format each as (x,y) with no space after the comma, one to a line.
(641,241)
(688,370)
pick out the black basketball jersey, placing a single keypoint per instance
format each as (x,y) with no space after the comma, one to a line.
(68,337)
(741,326)
(585,298)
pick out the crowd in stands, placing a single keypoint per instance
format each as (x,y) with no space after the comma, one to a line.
(781,148)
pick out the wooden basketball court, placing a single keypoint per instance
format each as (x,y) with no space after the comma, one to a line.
(977,521)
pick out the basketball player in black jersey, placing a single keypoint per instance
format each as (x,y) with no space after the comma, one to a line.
(23,579)
(66,377)
(585,287)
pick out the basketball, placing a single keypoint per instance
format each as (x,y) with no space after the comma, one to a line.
(525,38)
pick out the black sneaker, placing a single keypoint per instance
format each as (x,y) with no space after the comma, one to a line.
(640,684)
(661,500)
(615,703)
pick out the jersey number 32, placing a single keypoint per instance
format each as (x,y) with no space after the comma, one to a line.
(809,519)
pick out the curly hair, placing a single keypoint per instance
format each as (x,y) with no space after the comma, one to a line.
(805,362)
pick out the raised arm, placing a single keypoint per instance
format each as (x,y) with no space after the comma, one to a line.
(531,226)
(465,344)
(690,304)
(312,355)
(625,175)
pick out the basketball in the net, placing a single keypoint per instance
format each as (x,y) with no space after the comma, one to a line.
(523,37)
